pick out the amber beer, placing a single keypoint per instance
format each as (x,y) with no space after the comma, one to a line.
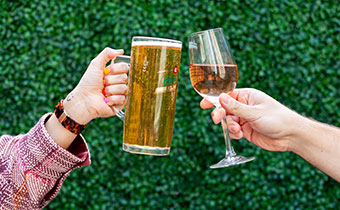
(151,100)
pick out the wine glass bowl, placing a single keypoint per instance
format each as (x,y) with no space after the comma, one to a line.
(211,80)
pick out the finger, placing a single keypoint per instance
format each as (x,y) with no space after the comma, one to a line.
(115,79)
(248,131)
(236,135)
(119,107)
(117,68)
(233,126)
(236,92)
(217,115)
(115,100)
(119,89)
(237,108)
(105,56)
(205,104)
(235,118)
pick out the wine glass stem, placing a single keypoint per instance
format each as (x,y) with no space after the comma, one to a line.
(229,148)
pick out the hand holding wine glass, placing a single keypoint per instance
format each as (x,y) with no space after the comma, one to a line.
(256,116)
(213,71)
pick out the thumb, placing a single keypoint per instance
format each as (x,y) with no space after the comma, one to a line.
(237,108)
(105,56)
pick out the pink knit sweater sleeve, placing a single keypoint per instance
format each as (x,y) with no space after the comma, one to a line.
(33,167)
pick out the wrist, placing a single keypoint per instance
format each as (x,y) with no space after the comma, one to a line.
(299,126)
(75,106)
(59,133)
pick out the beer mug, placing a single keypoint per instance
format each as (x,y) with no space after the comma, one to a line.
(151,99)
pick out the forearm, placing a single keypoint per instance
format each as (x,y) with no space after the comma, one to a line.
(35,166)
(319,144)
(59,134)
(74,107)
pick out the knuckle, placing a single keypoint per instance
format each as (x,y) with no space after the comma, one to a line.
(123,77)
(106,50)
(124,88)
(94,62)
(119,99)
(229,119)
(236,106)
(122,99)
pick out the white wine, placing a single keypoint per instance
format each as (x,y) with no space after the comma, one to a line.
(212,80)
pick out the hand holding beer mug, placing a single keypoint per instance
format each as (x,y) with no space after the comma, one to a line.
(151,99)
(213,71)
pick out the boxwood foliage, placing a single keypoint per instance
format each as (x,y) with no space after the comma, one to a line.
(289,49)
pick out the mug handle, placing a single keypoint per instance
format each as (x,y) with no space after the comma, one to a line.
(120,59)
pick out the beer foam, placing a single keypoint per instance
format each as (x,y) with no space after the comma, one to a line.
(157,43)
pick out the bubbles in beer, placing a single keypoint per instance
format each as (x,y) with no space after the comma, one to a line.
(151,101)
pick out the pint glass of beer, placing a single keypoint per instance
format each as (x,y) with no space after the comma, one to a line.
(151,99)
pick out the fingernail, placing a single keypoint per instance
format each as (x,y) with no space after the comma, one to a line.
(119,50)
(106,71)
(215,121)
(106,100)
(104,93)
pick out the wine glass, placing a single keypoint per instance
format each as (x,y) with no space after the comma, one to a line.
(213,71)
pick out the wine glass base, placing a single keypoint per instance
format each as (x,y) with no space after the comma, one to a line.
(230,161)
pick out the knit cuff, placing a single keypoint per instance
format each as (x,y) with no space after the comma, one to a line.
(43,157)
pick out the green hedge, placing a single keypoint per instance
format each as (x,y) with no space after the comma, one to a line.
(289,49)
